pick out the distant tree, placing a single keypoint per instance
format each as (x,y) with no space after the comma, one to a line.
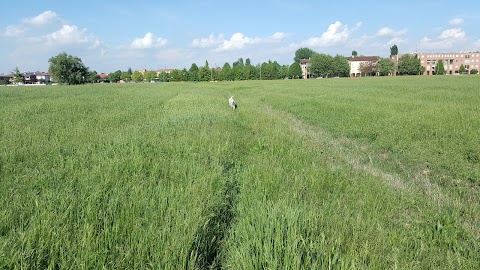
(137,76)
(393,50)
(250,72)
(354,53)
(295,70)
(129,71)
(409,65)
(321,65)
(239,62)
(385,67)
(92,77)
(193,73)
(474,71)
(368,68)
(461,69)
(303,53)
(340,66)
(439,69)
(284,71)
(204,73)
(227,74)
(176,75)
(126,76)
(115,76)
(17,76)
(150,75)
(68,69)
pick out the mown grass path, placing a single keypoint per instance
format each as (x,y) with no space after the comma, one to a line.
(371,173)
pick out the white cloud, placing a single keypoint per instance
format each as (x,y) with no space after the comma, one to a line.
(446,40)
(42,18)
(456,21)
(237,41)
(337,33)
(388,32)
(13,31)
(278,36)
(148,41)
(455,33)
(68,34)
(209,42)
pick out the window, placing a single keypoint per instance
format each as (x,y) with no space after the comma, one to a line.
(428,62)
(451,61)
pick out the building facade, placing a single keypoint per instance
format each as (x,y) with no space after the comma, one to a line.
(451,62)
(356,63)
(305,65)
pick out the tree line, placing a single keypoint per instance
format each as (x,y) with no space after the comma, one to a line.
(69,69)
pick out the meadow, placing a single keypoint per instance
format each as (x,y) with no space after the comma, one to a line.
(370,173)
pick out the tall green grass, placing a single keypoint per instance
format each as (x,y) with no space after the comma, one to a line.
(339,173)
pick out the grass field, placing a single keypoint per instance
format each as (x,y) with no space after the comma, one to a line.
(371,173)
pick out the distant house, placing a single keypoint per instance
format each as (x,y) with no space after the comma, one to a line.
(102,76)
(356,62)
(42,77)
(29,77)
(6,78)
(166,71)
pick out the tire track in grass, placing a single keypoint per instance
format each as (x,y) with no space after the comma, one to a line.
(206,249)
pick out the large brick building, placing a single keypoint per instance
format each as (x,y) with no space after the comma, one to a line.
(451,61)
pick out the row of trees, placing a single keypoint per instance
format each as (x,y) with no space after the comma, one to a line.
(68,69)
(239,70)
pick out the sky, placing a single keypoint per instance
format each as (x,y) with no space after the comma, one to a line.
(117,35)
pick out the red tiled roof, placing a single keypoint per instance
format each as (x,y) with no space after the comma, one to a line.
(363,58)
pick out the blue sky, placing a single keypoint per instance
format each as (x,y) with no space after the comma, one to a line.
(112,35)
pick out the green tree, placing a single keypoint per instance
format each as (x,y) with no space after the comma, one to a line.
(17,76)
(92,77)
(137,76)
(409,65)
(461,69)
(474,71)
(439,69)
(193,73)
(126,76)
(303,53)
(115,76)
(321,65)
(150,75)
(227,74)
(354,53)
(68,69)
(284,72)
(393,50)
(204,74)
(295,70)
(340,66)
(385,67)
